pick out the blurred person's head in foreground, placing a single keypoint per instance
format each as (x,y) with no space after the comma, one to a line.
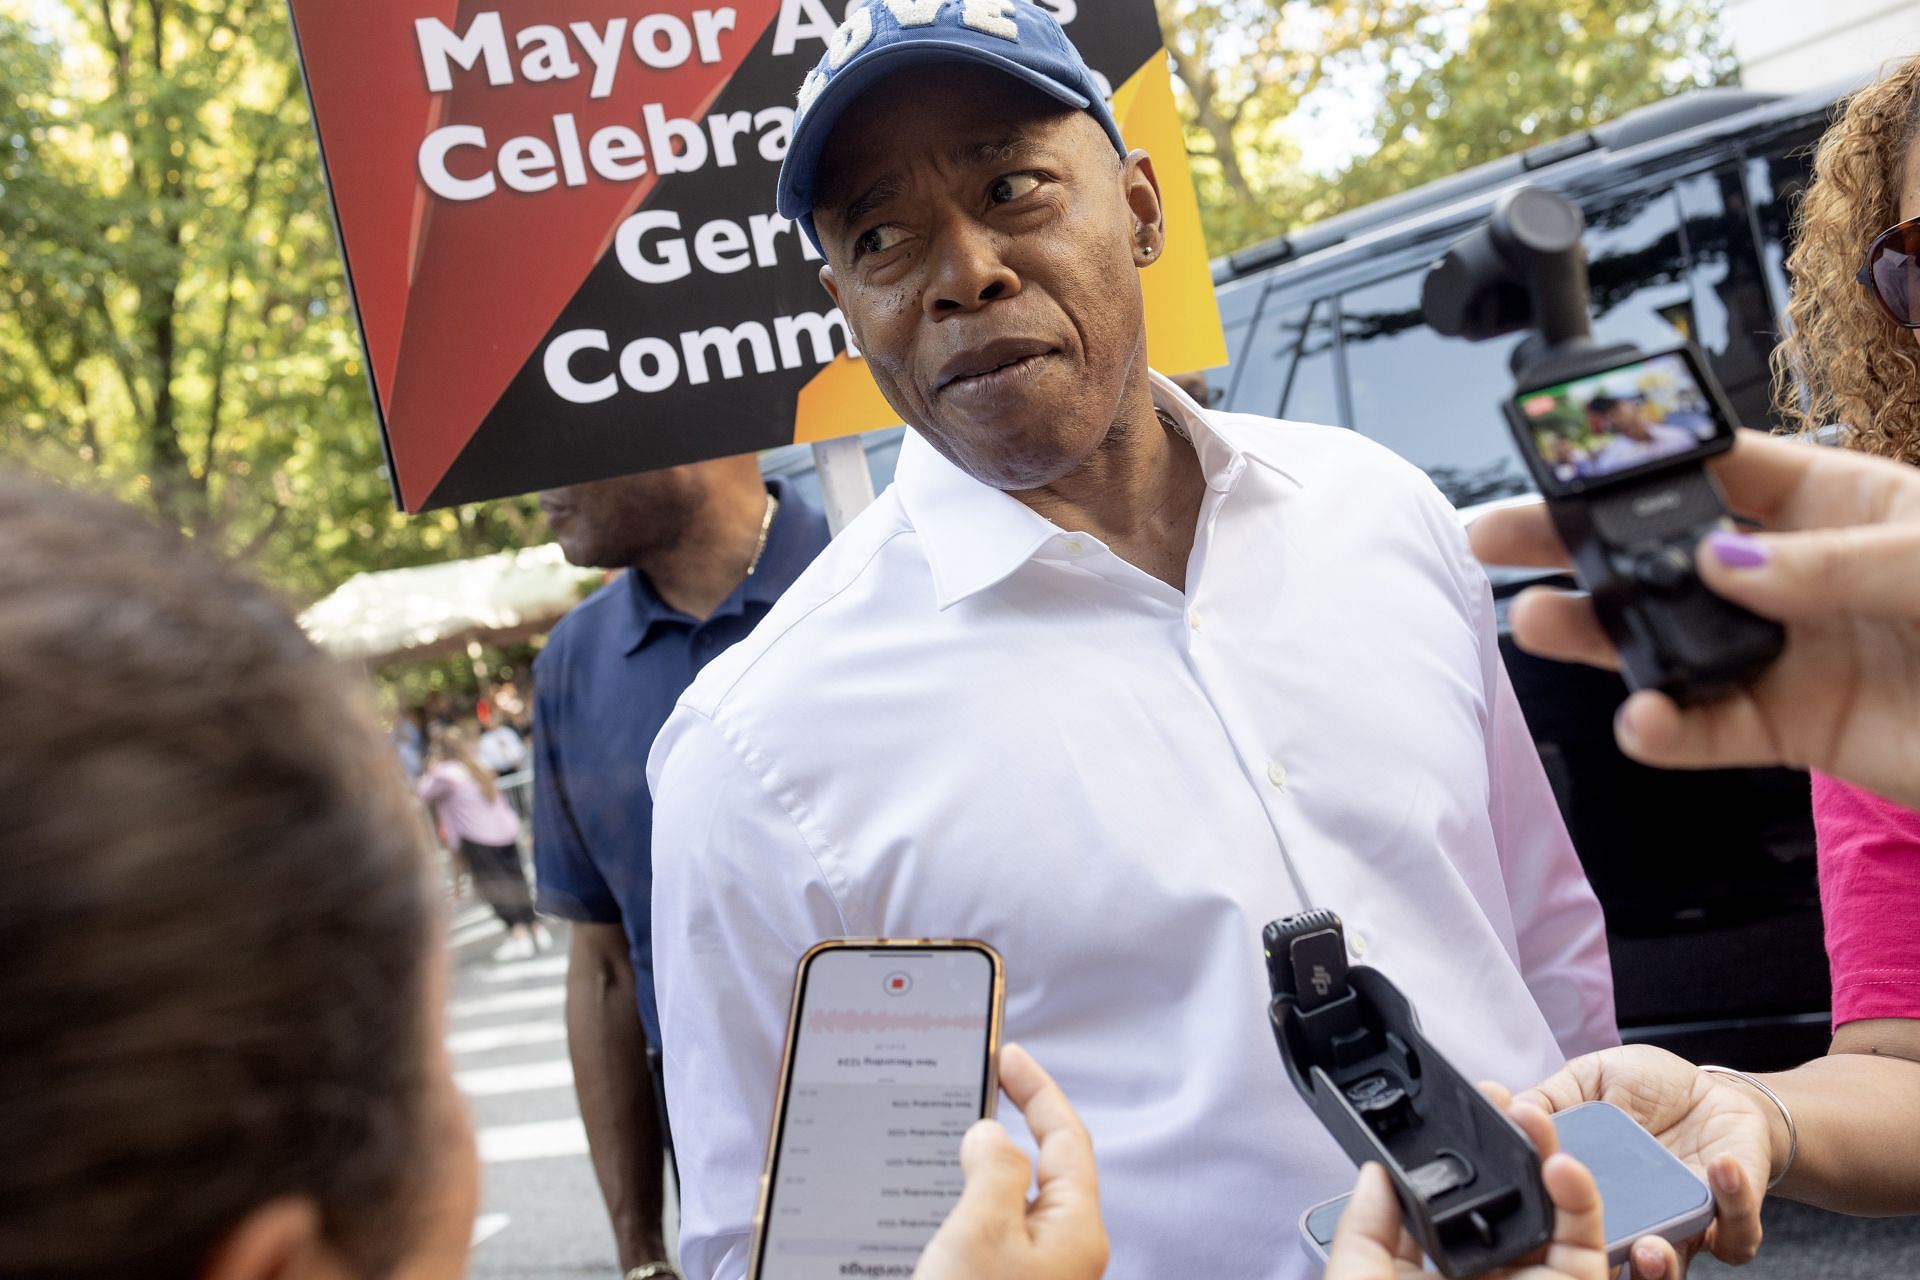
(221,1056)
(984,229)
(1846,359)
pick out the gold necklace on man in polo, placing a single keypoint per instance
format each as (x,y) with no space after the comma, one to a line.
(766,527)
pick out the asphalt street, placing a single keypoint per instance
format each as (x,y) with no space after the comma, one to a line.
(541,1216)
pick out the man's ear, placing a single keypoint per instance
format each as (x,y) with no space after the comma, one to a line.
(1142,190)
(278,1241)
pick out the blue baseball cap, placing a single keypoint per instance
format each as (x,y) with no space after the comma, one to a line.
(885,36)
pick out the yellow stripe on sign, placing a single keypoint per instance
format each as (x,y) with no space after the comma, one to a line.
(840,400)
(1183,321)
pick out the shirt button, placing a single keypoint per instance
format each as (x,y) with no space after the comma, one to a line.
(1356,944)
(1277,775)
(1074,546)
(1193,619)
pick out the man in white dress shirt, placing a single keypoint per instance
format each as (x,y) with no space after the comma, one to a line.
(1104,679)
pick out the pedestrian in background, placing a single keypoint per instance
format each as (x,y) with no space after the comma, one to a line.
(501,748)
(478,822)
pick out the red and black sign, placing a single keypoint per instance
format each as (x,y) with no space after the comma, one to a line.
(558,223)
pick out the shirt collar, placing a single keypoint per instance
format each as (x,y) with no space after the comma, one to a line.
(976,535)
(788,551)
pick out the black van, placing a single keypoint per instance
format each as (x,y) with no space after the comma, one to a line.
(1707,878)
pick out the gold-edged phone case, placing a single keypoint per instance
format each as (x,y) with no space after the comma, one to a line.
(996,1009)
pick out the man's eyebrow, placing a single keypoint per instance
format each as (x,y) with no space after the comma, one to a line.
(1012,149)
(887,188)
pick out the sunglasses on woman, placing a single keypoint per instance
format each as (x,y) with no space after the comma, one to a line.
(1892,272)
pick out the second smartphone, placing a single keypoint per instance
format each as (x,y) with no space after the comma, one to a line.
(1644,1187)
(892,1053)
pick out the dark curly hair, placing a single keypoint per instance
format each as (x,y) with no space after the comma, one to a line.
(216,915)
(1843,361)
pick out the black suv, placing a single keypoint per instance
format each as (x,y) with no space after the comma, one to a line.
(1707,878)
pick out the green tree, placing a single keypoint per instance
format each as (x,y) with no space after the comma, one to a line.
(175,323)
(1458,83)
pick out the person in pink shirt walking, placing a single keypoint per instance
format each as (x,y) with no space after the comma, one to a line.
(477,820)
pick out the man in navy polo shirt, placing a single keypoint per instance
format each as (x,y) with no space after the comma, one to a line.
(709,548)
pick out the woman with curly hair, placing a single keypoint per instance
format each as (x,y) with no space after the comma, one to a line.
(1851,356)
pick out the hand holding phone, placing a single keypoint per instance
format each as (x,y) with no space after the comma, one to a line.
(995,1230)
(1617,1193)
(892,1049)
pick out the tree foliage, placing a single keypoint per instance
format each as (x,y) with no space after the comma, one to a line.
(175,323)
(1458,83)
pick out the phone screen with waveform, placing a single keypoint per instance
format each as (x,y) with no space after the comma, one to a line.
(888,1071)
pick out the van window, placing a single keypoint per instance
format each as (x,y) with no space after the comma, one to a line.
(1733,306)
(1776,182)
(1434,401)
(1261,351)
(1638,271)
(1313,394)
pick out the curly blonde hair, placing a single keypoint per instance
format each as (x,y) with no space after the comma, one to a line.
(1843,361)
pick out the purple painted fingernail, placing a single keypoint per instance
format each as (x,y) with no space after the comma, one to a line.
(1737,550)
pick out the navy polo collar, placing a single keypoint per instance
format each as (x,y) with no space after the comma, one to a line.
(787,553)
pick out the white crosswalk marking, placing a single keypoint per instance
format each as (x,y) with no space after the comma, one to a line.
(521,1077)
(487,1226)
(479,926)
(505,1001)
(481,1039)
(535,1141)
(521,970)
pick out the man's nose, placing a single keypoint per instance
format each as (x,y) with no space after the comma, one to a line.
(969,269)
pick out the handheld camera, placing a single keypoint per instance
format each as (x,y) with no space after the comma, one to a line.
(1616,439)
(1466,1176)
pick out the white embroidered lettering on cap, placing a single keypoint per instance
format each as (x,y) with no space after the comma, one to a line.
(810,88)
(851,38)
(914,13)
(993,17)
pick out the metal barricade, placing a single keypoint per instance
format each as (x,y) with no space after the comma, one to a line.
(518,789)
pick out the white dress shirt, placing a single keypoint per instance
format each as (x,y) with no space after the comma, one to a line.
(963,721)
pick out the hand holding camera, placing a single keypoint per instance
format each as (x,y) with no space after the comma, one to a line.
(1617,439)
(1838,562)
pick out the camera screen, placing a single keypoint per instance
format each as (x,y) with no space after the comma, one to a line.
(1612,422)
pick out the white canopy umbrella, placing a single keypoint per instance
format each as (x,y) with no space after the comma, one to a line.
(438,608)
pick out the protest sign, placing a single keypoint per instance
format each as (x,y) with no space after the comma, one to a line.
(558,224)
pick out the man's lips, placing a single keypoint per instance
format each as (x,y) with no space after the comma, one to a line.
(992,357)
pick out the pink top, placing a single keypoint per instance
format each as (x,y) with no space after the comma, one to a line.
(465,813)
(1870,896)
